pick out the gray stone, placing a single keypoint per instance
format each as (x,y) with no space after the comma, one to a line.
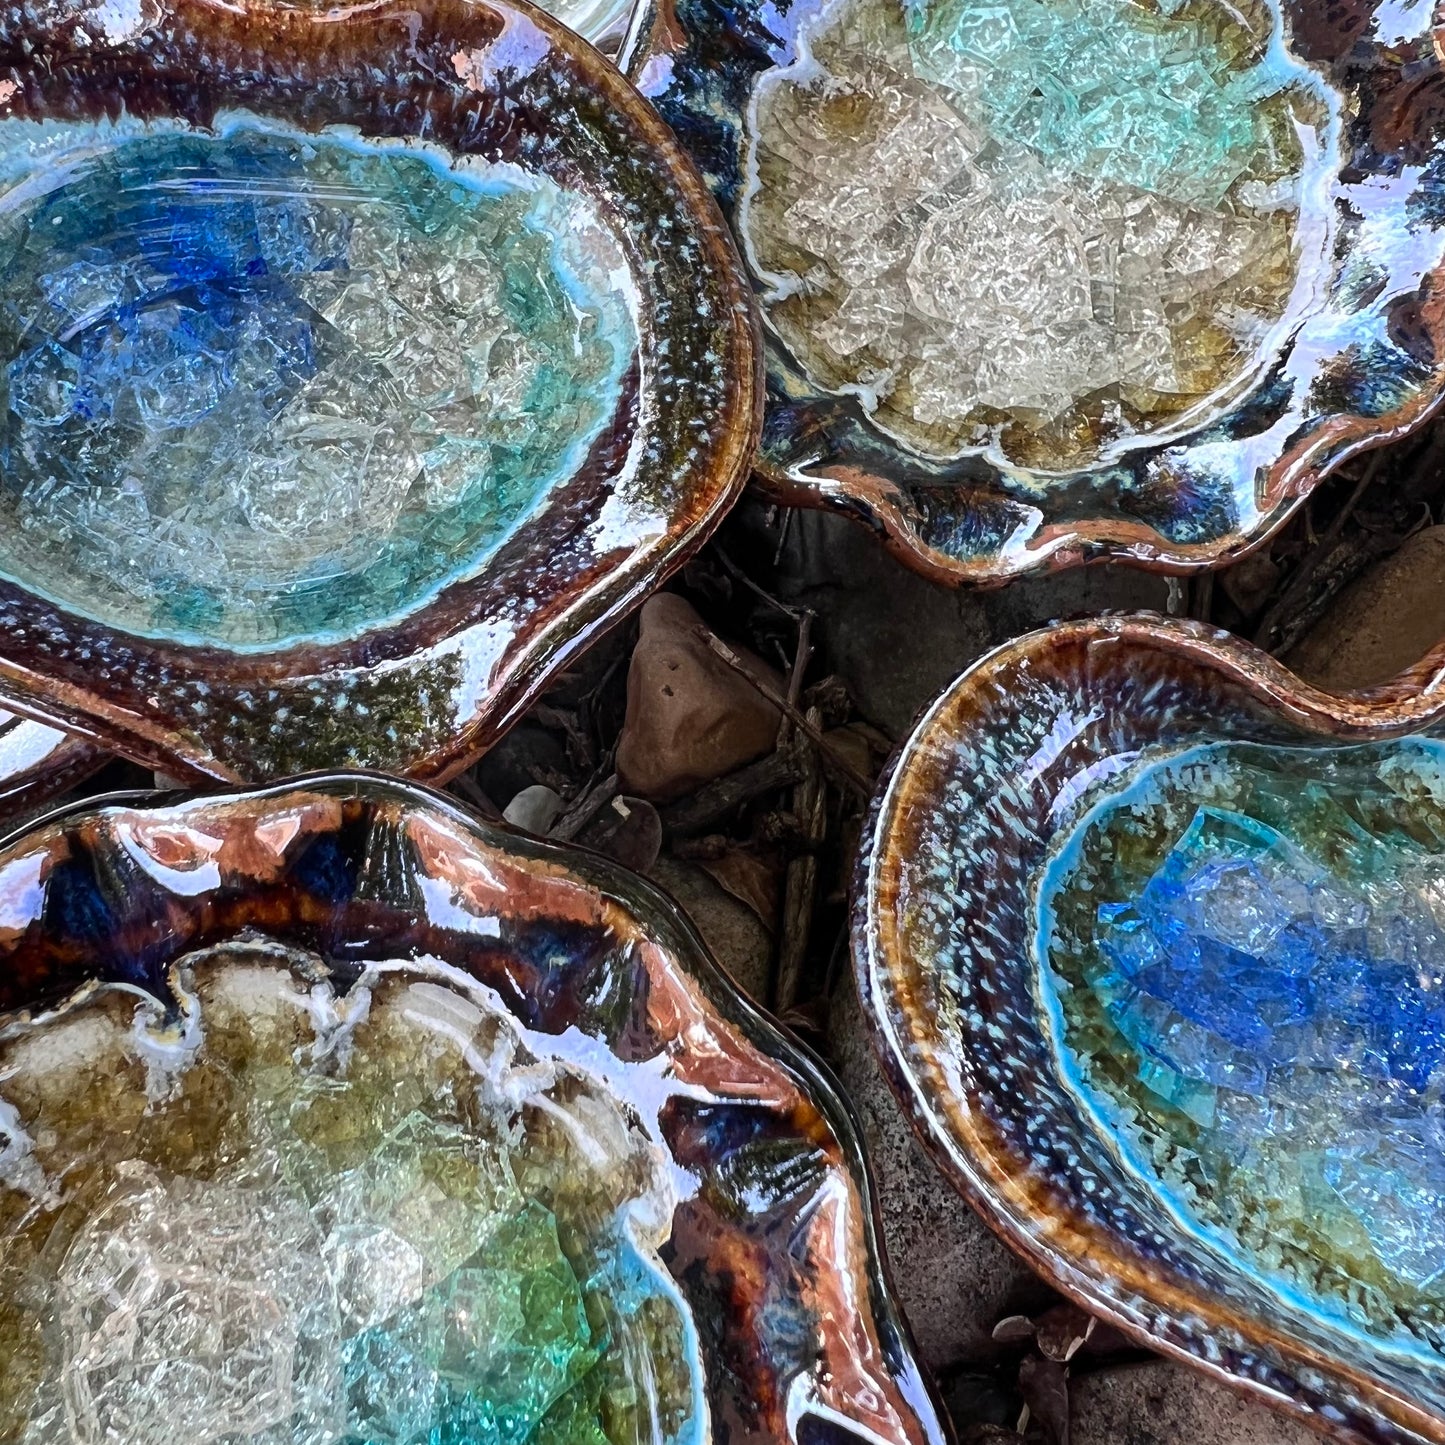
(953,1279)
(898,639)
(534,809)
(734,934)
(1163,1403)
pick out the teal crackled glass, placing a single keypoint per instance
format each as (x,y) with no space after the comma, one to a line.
(263,387)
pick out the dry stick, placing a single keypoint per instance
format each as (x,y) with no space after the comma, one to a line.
(736,572)
(810,730)
(810,805)
(802,655)
(585,809)
(718,800)
(783,534)
(1318,553)
(1202,602)
(466,787)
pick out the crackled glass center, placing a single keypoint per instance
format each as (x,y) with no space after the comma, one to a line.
(1246,953)
(300,1217)
(1039,223)
(261,387)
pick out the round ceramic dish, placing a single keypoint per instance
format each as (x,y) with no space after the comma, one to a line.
(1145,933)
(401,1035)
(1046,285)
(361,366)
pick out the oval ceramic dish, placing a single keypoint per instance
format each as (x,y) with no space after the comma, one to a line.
(359,367)
(1047,284)
(1148,932)
(464,1125)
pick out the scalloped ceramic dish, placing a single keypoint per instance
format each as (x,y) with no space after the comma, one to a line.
(386,1122)
(1046,284)
(359,365)
(1148,934)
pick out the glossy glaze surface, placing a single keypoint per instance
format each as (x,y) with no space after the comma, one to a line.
(1149,934)
(403,1128)
(350,382)
(1049,283)
(38,763)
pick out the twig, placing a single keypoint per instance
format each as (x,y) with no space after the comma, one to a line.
(585,809)
(1202,602)
(736,572)
(814,734)
(802,655)
(718,800)
(810,799)
(465,786)
(783,534)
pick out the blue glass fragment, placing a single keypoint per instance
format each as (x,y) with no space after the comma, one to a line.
(1247,949)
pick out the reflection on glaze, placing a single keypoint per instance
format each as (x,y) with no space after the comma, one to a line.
(263,388)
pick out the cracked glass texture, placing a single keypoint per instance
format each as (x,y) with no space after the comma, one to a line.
(262,388)
(296,1217)
(1246,953)
(1037,225)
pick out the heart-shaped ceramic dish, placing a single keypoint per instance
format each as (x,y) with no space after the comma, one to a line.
(1046,284)
(394,1064)
(361,364)
(1145,933)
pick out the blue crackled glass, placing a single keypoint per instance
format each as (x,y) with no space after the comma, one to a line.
(262,387)
(1246,953)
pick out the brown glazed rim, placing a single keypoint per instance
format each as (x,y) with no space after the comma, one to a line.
(1026,1212)
(135,700)
(882,505)
(36,777)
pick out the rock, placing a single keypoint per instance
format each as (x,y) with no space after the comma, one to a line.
(690,717)
(951,1277)
(1382,623)
(1249,583)
(734,934)
(534,809)
(628,830)
(527,754)
(1163,1403)
(898,639)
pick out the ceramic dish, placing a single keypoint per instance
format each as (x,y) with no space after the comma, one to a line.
(1048,283)
(37,764)
(360,365)
(603,23)
(1149,935)
(385,1122)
